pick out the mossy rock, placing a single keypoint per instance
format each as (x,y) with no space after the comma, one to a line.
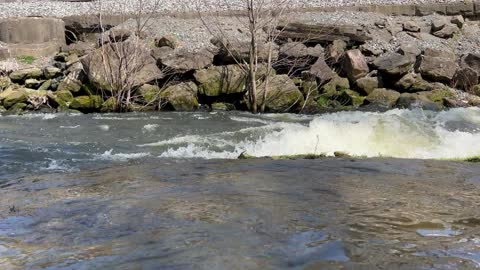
(438,95)
(220,106)
(334,86)
(476,90)
(383,97)
(2,109)
(282,95)
(45,85)
(65,96)
(27,73)
(350,98)
(16,96)
(181,97)
(221,80)
(18,108)
(150,93)
(70,84)
(110,105)
(5,82)
(87,103)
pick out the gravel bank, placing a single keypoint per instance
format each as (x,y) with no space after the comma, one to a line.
(63,9)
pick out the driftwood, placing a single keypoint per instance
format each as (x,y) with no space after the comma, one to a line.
(321,33)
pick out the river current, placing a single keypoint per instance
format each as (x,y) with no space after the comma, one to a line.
(165,191)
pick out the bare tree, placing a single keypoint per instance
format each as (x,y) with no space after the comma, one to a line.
(123,54)
(260,19)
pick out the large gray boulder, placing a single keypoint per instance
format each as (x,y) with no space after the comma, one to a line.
(394,64)
(438,68)
(321,71)
(119,64)
(181,61)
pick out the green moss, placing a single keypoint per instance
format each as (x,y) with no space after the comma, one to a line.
(323,101)
(26,59)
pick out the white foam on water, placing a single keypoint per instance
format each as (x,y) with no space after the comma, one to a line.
(396,133)
(150,128)
(70,127)
(104,127)
(109,155)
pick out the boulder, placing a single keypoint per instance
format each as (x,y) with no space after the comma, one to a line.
(221,80)
(355,65)
(350,98)
(409,49)
(15,96)
(181,97)
(411,26)
(61,99)
(126,64)
(413,82)
(181,61)
(27,73)
(335,52)
(239,52)
(333,87)
(416,101)
(439,23)
(282,95)
(5,82)
(46,85)
(465,78)
(71,84)
(321,71)
(33,83)
(437,68)
(447,31)
(472,61)
(110,105)
(458,20)
(442,53)
(368,84)
(297,50)
(220,106)
(296,56)
(383,97)
(394,64)
(167,41)
(87,103)
(52,72)
(149,93)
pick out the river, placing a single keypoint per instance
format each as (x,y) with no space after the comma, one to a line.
(165,191)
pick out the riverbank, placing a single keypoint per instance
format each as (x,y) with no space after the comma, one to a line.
(322,61)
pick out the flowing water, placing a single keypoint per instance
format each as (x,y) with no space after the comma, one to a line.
(165,191)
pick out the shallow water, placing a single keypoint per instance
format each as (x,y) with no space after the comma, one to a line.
(150,191)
